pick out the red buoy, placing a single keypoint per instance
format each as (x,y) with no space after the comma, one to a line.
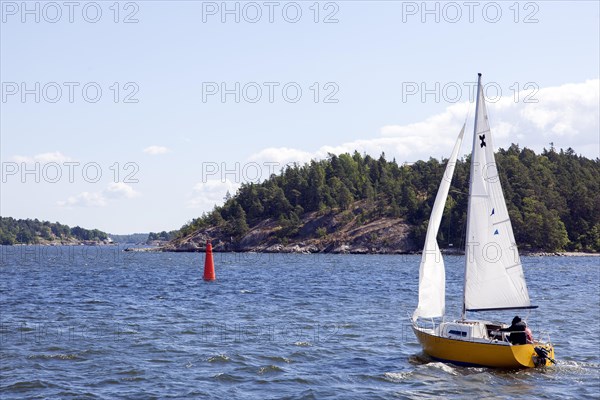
(209,265)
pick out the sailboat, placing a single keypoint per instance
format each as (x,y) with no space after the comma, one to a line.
(494,278)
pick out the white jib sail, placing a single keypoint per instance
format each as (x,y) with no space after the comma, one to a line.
(493,272)
(432,274)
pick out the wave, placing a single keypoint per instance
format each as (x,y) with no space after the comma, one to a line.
(219,358)
(28,385)
(269,369)
(397,376)
(444,367)
(54,357)
(224,377)
(576,367)
(277,359)
(302,344)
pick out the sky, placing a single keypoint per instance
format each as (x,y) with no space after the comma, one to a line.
(139,116)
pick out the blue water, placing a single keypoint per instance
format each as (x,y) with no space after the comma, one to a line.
(95,322)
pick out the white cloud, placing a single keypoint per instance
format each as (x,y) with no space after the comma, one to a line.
(433,136)
(406,147)
(84,199)
(210,193)
(566,115)
(55,156)
(281,156)
(567,110)
(156,150)
(114,191)
(434,126)
(120,190)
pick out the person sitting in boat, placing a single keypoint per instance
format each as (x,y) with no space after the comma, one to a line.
(528,335)
(517,331)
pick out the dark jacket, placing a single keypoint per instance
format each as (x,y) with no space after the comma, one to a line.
(517,333)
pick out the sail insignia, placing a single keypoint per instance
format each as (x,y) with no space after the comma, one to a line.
(489,283)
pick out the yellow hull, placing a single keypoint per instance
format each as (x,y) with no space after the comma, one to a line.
(480,354)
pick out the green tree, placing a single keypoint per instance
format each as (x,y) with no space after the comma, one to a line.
(553,198)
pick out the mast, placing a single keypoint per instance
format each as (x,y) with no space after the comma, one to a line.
(472,172)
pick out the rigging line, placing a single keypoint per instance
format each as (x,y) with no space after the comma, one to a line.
(512,266)
(461,192)
(468,112)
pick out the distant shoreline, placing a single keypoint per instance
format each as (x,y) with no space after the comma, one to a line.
(456,253)
(563,254)
(159,249)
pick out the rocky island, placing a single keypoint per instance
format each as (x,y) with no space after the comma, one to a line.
(331,232)
(359,204)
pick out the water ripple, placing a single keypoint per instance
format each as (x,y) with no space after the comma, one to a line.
(271,326)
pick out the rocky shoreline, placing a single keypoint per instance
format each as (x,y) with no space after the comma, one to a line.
(73,242)
(333,233)
(326,233)
(307,250)
(558,254)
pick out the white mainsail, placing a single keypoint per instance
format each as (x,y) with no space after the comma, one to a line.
(493,272)
(432,274)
